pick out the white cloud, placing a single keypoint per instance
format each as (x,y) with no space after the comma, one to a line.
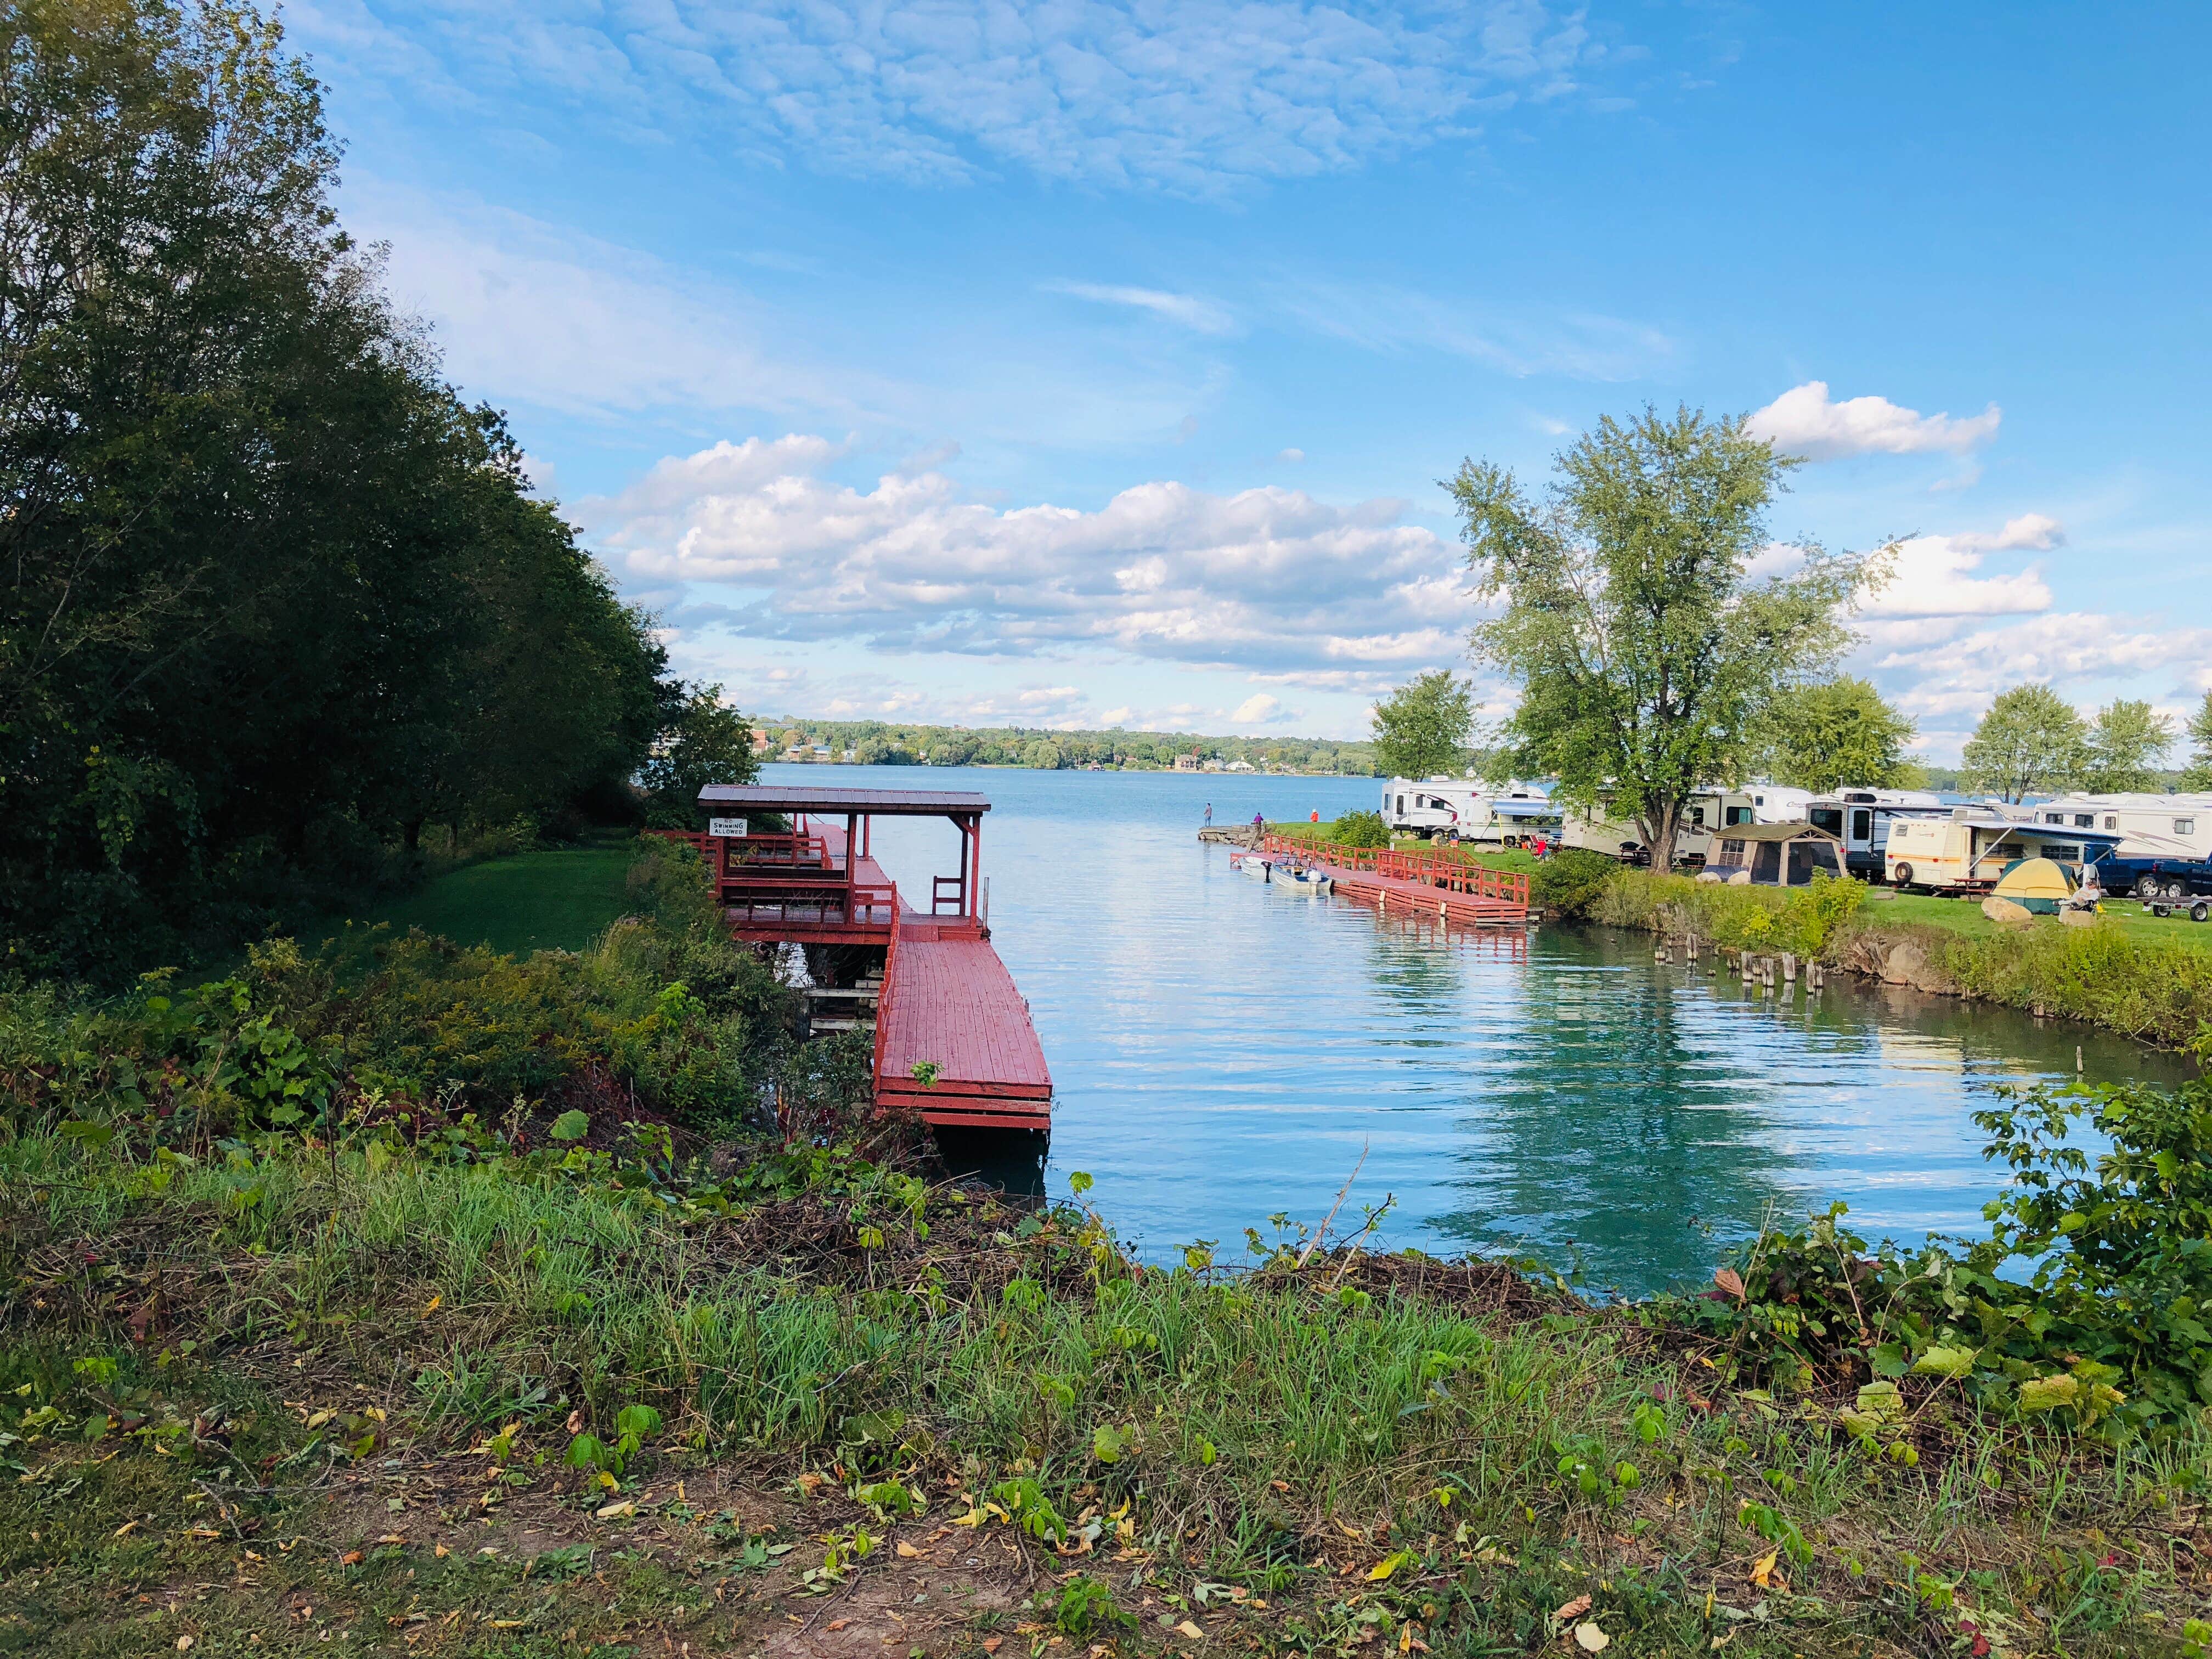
(1201,315)
(1291,457)
(1950,679)
(1258,709)
(1804,422)
(1266,580)
(1194,97)
(1935,576)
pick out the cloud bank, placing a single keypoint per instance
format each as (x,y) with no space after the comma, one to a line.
(1193,97)
(1804,421)
(1270,582)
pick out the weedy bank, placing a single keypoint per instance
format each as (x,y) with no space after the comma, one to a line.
(340,1318)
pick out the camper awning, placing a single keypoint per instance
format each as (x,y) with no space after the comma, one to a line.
(1524,809)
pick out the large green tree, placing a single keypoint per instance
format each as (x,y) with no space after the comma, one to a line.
(1424,728)
(2199,775)
(1646,649)
(2129,742)
(270,594)
(2031,741)
(1837,732)
(702,740)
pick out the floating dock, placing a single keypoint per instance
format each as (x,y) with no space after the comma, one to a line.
(1430,886)
(954,1041)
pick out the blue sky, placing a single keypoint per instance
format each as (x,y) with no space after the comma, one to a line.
(1090,363)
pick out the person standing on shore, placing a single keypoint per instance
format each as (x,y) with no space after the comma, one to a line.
(1315,817)
(1209,815)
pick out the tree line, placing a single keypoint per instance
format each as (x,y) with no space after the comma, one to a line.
(1658,645)
(273,596)
(879,742)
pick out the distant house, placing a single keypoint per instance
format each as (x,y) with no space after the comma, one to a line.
(1186,763)
(1240,766)
(761,741)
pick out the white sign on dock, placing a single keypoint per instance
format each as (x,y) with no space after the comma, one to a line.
(733,827)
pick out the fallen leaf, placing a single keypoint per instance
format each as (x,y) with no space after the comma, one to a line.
(432,1305)
(505,1624)
(1763,1574)
(576,1421)
(616,1511)
(126,1528)
(993,1643)
(1280,1485)
(1389,1565)
(203,1531)
(391,1538)
(442,1552)
(1590,1638)
(1730,1281)
(183,1644)
(908,1550)
(836,1625)
(351,1558)
(1574,1609)
(1192,1631)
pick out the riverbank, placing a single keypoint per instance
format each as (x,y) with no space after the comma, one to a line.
(2147,979)
(477,1308)
(814,1405)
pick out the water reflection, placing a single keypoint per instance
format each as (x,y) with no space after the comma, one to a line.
(1225,1048)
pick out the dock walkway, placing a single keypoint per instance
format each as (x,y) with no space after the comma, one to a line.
(953,1037)
(1424,883)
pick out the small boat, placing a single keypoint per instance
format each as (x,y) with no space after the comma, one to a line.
(1253,864)
(1310,880)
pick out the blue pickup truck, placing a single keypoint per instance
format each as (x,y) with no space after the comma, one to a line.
(2166,881)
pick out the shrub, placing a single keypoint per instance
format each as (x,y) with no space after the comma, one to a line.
(1362,830)
(1570,881)
(2088,1302)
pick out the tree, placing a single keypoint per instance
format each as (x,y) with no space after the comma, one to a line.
(2031,741)
(1043,754)
(270,594)
(2199,775)
(1838,732)
(702,740)
(1645,651)
(1423,728)
(2128,743)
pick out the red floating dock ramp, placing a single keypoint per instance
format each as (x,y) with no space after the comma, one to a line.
(951,1008)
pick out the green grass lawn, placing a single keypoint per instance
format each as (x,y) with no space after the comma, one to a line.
(1961,915)
(558,900)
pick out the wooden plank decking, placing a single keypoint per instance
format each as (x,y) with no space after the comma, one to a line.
(949,1003)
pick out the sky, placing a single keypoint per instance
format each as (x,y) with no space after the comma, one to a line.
(1087,364)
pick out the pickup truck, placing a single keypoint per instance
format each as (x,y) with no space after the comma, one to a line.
(2172,880)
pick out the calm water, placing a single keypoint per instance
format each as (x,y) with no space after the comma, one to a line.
(1223,1050)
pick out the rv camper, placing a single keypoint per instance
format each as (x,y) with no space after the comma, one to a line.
(1441,809)
(1862,820)
(1969,850)
(1430,807)
(2166,840)
(1707,812)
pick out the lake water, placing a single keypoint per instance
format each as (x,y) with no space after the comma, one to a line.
(1225,1050)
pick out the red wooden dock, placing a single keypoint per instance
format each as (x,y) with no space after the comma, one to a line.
(954,1041)
(1426,883)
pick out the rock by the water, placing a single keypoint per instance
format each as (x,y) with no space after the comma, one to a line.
(2007,913)
(2078,918)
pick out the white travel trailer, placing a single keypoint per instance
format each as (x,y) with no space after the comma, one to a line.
(2149,826)
(1706,812)
(1777,803)
(1427,806)
(1449,809)
(1862,820)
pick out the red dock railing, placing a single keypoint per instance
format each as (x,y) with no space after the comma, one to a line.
(1430,867)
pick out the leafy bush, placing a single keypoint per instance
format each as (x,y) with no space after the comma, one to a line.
(1362,830)
(1803,919)
(1570,881)
(666,1015)
(2087,1302)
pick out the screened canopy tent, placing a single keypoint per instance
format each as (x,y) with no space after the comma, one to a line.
(1776,854)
